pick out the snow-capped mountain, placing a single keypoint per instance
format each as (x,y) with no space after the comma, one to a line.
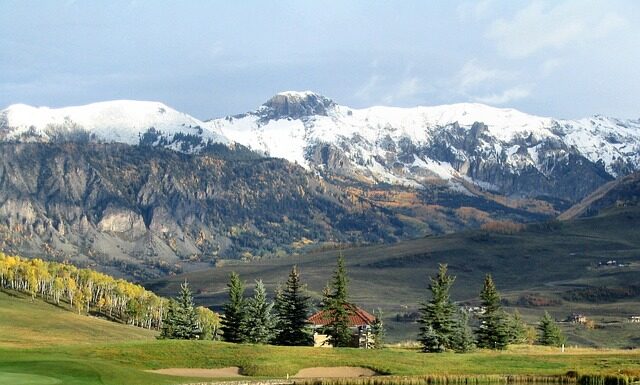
(497,148)
(121,121)
(502,150)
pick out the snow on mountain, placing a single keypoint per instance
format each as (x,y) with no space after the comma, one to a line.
(123,121)
(496,148)
(413,145)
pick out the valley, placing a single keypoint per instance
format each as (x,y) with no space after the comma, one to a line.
(551,266)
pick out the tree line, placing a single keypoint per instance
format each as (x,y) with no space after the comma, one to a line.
(88,291)
(285,320)
(446,327)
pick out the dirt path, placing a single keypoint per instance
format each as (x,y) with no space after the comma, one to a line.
(335,372)
(233,371)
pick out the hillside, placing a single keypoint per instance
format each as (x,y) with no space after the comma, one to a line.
(551,266)
(624,191)
(144,211)
(28,323)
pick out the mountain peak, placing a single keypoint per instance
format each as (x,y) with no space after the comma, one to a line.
(295,105)
(122,121)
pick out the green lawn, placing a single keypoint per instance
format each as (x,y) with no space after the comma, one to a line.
(124,363)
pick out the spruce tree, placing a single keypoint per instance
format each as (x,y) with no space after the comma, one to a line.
(336,308)
(169,322)
(292,310)
(234,311)
(463,339)
(182,317)
(517,329)
(259,323)
(437,315)
(186,327)
(549,332)
(493,331)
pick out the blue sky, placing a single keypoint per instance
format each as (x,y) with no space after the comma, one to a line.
(564,59)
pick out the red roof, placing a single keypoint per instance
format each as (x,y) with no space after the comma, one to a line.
(357,317)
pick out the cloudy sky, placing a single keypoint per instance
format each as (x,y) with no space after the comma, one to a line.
(214,58)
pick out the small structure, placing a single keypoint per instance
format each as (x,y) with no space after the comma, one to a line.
(634,319)
(577,318)
(360,322)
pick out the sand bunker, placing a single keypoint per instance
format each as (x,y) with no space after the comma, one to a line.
(335,372)
(233,371)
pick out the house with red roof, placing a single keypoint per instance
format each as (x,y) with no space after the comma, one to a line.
(360,322)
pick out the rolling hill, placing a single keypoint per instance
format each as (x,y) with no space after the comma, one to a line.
(28,323)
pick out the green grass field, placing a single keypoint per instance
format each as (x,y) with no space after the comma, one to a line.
(542,264)
(65,348)
(26,323)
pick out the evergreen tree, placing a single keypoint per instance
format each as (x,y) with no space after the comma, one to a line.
(186,327)
(463,339)
(292,310)
(234,311)
(429,338)
(336,308)
(437,315)
(549,332)
(493,332)
(168,324)
(517,329)
(259,323)
(182,317)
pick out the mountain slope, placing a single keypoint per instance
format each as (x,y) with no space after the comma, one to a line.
(35,323)
(501,150)
(121,121)
(145,211)
(624,191)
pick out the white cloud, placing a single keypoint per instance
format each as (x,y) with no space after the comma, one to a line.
(506,96)
(541,26)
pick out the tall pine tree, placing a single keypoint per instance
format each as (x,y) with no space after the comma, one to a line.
(182,317)
(259,323)
(438,315)
(292,310)
(493,332)
(234,311)
(549,332)
(336,308)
